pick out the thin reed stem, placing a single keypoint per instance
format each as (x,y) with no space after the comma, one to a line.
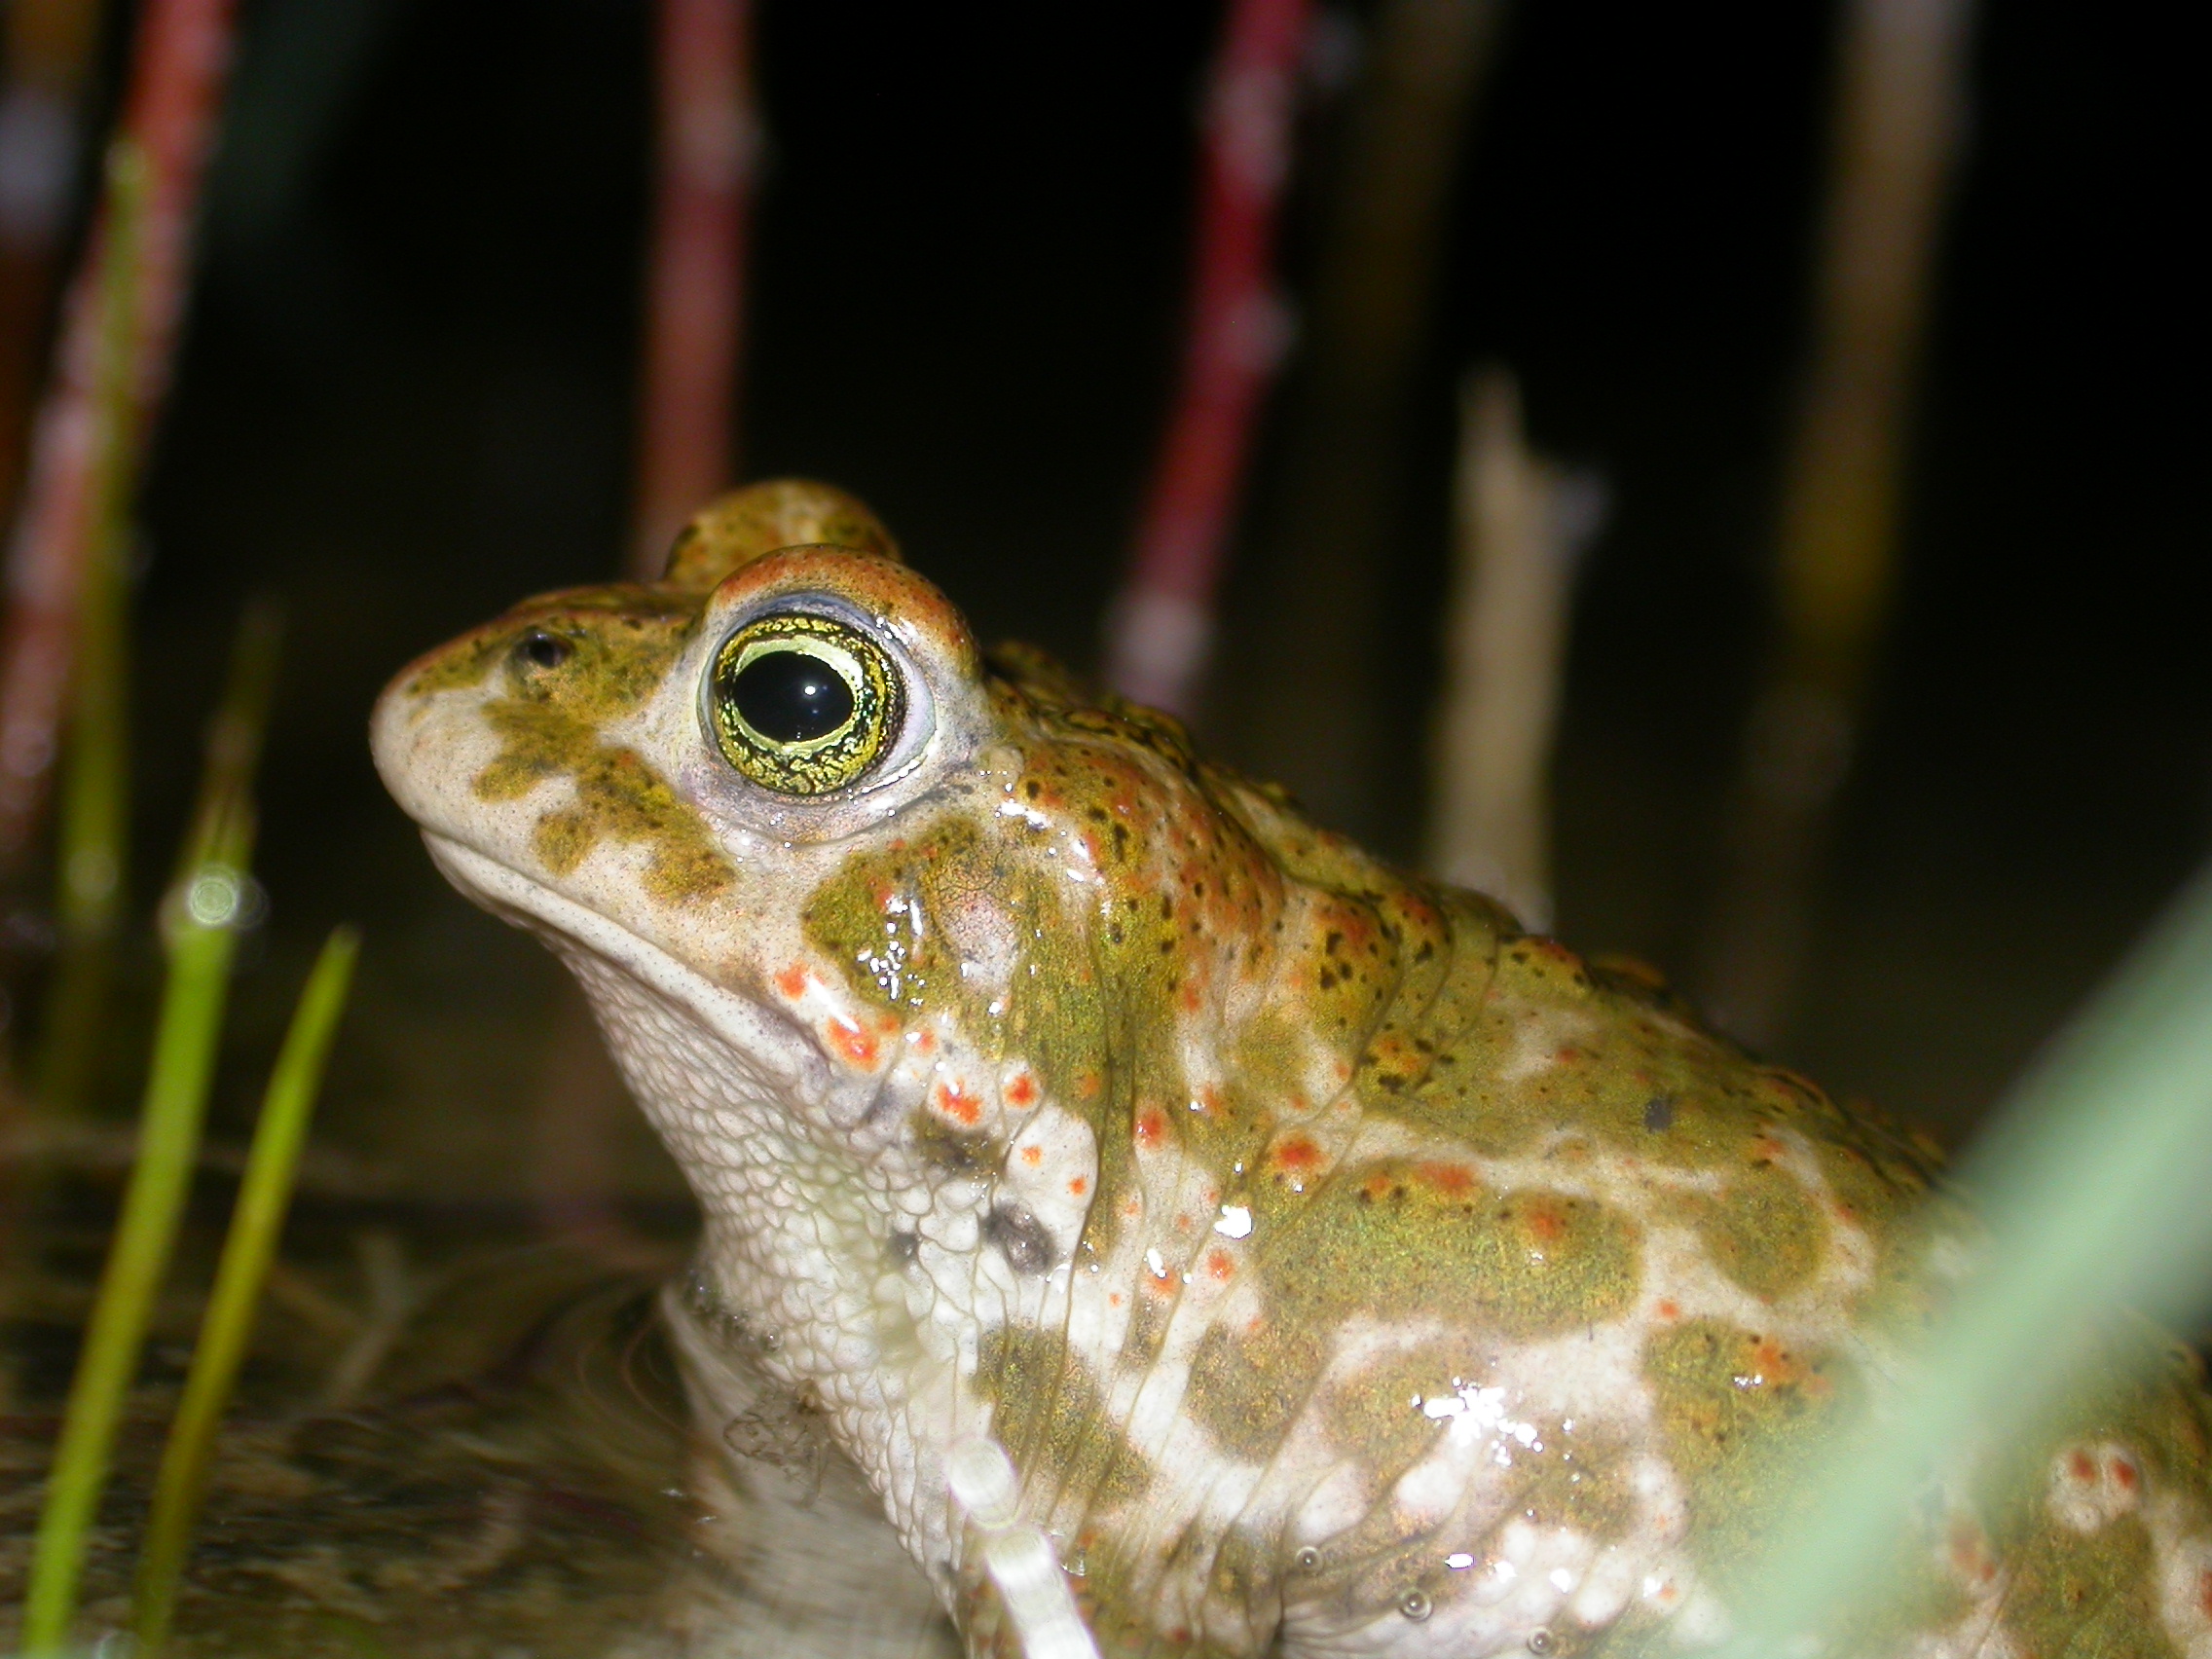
(256,1223)
(201,944)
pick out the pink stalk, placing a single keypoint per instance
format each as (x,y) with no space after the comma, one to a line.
(1160,631)
(709,150)
(112,364)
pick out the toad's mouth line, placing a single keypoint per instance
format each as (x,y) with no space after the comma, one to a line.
(768,1044)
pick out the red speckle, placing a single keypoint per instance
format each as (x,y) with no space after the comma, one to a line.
(1206,1099)
(1220,1265)
(2081,1466)
(1022,1089)
(1189,997)
(1669,1310)
(1151,1127)
(1297,1153)
(792,982)
(1379,1187)
(1032,1156)
(1078,1186)
(1131,1209)
(1567,1056)
(2123,1474)
(1115,1300)
(2205,1593)
(956,1103)
(850,1041)
(1453,1180)
(925,1040)
(1344,1071)
(1545,1223)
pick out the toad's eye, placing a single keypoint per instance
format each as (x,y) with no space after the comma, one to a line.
(804,703)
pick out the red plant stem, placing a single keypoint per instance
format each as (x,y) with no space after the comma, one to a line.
(707,153)
(1160,629)
(111,367)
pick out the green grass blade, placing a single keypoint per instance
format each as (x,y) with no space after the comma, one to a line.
(256,1223)
(200,940)
(92,834)
(2094,1185)
(185,1041)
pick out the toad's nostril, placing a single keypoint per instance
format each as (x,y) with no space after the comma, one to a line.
(542,649)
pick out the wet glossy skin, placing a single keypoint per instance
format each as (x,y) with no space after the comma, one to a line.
(1338,1265)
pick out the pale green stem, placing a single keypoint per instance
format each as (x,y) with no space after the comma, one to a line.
(2093,1186)
(255,1226)
(185,1043)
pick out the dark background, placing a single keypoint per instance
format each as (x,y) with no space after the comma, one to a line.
(406,394)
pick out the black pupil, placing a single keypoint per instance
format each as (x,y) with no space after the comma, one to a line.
(791,697)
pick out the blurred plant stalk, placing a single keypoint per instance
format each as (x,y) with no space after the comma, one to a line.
(49,46)
(257,1223)
(1900,110)
(708,155)
(1159,629)
(1307,708)
(707,163)
(92,836)
(1521,523)
(213,892)
(2091,1182)
(112,364)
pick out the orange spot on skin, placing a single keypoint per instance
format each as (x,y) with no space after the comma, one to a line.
(2123,1474)
(1545,1223)
(2205,1593)
(1022,1091)
(1297,1153)
(849,1040)
(1151,1128)
(1379,1187)
(1669,1310)
(1220,1265)
(1453,1180)
(1078,1186)
(1567,1056)
(1970,1555)
(792,982)
(2080,1467)
(958,1104)
(1189,997)
(1088,1085)
(1344,1071)
(1131,1209)
(1032,1156)
(1115,1300)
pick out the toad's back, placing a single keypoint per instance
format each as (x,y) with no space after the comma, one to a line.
(1334,1262)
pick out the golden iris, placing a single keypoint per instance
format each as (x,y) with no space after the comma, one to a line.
(804,703)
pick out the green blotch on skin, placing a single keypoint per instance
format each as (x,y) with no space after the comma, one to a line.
(1765,1233)
(2095,1593)
(1740,1414)
(1053,1422)
(1424,1238)
(619,797)
(549,723)
(1377,1413)
(1247,1387)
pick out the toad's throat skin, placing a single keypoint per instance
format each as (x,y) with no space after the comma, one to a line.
(1338,1266)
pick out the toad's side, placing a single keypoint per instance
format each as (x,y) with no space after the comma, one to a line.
(1336,1264)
